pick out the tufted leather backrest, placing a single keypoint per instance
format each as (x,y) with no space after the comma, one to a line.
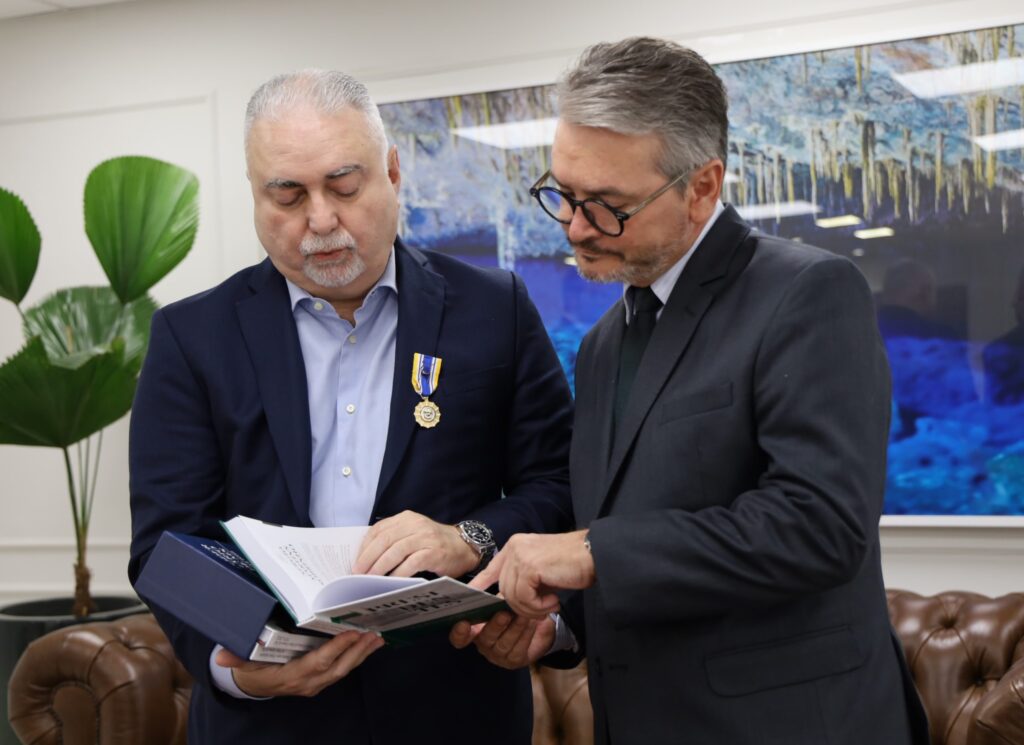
(965,652)
(105,683)
(118,683)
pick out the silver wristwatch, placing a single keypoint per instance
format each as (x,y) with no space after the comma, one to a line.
(480,538)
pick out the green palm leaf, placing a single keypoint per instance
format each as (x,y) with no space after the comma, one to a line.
(19,247)
(43,403)
(141,216)
(86,320)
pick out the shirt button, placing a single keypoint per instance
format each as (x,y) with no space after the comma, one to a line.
(352,339)
(346,471)
(318,305)
(350,408)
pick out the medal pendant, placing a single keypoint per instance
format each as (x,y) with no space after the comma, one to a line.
(427,413)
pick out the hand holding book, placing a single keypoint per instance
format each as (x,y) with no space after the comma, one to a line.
(301,579)
(507,641)
(310,571)
(307,674)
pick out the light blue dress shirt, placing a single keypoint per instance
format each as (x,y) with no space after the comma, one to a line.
(349,374)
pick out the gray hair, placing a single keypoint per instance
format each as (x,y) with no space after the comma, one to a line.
(641,86)
(326,91)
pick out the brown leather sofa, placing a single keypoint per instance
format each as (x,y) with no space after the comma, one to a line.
(966,653)
(117,682)
(106,683)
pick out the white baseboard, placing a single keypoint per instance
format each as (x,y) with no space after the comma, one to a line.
(17,593)
(927,560)
(31,569)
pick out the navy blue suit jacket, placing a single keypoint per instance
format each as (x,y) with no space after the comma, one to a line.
(220,427)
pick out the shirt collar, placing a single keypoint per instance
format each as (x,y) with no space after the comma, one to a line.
(387,279)
(663,285)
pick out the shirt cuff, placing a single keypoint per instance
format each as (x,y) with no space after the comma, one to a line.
(223,679)
(565,640)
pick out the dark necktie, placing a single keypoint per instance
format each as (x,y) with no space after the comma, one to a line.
(644,305)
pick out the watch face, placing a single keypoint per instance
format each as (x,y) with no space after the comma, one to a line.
(477,532)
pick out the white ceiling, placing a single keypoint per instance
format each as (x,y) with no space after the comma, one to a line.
(16,8)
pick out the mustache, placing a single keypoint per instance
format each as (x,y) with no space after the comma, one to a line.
(590,247)
(318,244)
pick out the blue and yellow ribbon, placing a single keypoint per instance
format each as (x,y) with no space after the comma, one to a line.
(426,371)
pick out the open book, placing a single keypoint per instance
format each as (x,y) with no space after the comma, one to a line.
(210,586)
(310,572)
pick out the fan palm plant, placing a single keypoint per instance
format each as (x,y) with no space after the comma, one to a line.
(77,370)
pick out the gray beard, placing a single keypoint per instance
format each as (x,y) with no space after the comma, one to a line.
(338,272)
(630,274)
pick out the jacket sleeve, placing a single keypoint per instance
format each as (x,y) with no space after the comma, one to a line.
(821,400)
(571,612)
(177,472)
(535,481)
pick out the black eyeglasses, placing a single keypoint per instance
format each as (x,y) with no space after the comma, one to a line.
(608,220)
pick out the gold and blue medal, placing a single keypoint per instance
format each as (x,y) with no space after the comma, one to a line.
(426,371)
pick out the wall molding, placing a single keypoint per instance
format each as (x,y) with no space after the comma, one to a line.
(17,592)
(922,559)
(35,545)
(945,541)
(971,552)
(38,568)
(107,110)
(928,560)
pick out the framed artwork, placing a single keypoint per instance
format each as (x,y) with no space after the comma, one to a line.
(906,157)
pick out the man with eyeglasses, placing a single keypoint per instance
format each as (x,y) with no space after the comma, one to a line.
(728,457)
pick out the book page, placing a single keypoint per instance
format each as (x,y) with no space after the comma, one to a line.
(297,562)
(345,590)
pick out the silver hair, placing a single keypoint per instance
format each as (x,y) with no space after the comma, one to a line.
(641,86)
(326,91)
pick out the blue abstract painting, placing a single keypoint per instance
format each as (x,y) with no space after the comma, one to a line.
(907,157)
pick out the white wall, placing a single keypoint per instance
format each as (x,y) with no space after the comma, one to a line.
(169,78)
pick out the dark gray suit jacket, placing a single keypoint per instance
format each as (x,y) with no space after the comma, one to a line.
(734,521)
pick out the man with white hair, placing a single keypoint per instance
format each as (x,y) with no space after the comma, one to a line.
(284,394)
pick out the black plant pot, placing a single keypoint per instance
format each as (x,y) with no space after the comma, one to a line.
(23,623)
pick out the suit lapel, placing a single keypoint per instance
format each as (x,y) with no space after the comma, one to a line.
(592,427)
(267,323)
(719,259)
(603,374)
(421,295)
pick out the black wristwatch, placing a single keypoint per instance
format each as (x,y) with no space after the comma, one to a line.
(480,538)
